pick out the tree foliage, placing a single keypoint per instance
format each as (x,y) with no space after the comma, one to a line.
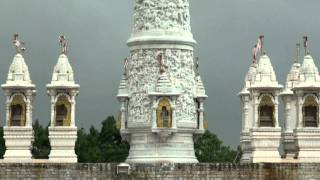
(103,146)
(209,148)
(2,143)
(41,144)
(106,145)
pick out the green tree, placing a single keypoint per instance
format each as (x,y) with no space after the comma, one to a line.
(209,148)
(103,146)
(41,144)
(112,147)
(2,143)
(82,146)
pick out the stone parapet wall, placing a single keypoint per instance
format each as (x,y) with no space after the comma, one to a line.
(222,171)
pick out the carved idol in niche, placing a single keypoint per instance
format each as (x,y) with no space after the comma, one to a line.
(164,114)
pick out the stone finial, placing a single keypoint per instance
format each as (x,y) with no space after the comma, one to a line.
(63,44)
(18,44)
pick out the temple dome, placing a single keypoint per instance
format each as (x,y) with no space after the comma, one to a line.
(18,74)
(249,78)
(308,70)
(292,78)
(63,70)
(201,92)
(265,69)
(63,73)
(309,74)
(265,75)
(251,73)
(163,84)
(123,87)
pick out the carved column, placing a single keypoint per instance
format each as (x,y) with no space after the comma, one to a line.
(73,105)
(123,114)
(245,113)
(154,113)
(300,111)
(8,103)
(287,101)
(276,105)
(52,122)
(256,110)
(28,118)
(201,116)
(174,118)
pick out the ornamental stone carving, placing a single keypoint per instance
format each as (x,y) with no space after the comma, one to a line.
(161,14)
(143,74)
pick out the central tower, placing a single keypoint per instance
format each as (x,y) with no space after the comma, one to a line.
(161,92)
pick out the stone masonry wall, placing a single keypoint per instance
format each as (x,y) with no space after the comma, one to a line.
(161,171)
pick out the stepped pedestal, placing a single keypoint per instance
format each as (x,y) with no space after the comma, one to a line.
(62,141)
(308,141)
(18,143)
(265,144)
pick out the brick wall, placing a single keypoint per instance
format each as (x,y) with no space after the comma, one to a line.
(161,171)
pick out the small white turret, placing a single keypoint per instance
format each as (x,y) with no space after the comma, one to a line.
(307,93)
(63,91)
(309,74)
(260,133)
(19,91)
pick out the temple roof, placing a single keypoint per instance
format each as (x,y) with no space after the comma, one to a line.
(123,87)
(63,74)
(308,74)
(18,75)
(201,92)
(292,78)
(265,76)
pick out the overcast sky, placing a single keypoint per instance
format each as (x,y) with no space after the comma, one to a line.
(97,31)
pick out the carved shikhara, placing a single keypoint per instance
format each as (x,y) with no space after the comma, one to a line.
(161,14)
(143,75)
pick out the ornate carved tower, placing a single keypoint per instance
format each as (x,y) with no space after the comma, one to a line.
(63,90)
(261,133)
(307,92)
(161,94)
(19,90)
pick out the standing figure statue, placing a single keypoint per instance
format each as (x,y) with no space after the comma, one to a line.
(18,44)
(63,44)
(161,63)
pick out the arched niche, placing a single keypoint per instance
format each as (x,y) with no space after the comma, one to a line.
(18,111)
(310,112)
(164,114)
(62,111)
(266,112)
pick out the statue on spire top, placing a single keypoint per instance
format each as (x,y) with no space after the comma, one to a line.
(18,44)
(63,44)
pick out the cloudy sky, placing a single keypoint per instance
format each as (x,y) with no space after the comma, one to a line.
(97,31)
